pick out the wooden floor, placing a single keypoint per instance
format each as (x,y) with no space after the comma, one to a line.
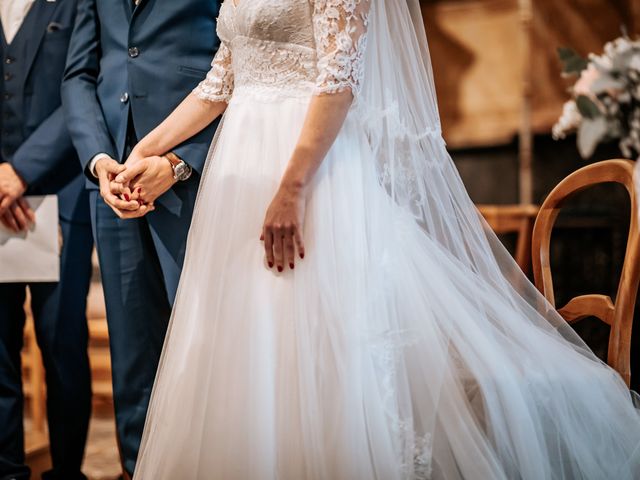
(101,456)
(37,449)
(101,461)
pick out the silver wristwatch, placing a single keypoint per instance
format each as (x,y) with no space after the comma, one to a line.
(181,171)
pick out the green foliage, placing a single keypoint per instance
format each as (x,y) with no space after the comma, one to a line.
(573,63)
(587,108)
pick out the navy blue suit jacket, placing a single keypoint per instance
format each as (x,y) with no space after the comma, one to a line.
(33,134)
(136,62)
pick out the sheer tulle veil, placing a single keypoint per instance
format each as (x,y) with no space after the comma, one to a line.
(399,107)
(398,103)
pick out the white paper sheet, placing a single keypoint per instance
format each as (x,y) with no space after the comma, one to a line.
(33,256)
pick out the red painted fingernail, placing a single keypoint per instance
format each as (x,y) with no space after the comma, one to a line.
(302,255)
(280,268)
(126,197)
(270,264)
(139,189)
(291,266)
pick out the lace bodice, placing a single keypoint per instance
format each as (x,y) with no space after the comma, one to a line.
(288,46)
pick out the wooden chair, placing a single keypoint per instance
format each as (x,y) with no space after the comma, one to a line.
(619,314)
(99,354)
(33,378)
(518,219)
(36,438)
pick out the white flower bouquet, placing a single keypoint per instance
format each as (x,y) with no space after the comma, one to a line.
(605,102)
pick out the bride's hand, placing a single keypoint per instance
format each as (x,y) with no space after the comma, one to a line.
(283,224)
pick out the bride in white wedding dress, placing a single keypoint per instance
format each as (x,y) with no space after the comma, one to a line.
(379,330)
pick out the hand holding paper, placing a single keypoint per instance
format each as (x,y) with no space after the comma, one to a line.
(12,187)
(32,254)
(19,216)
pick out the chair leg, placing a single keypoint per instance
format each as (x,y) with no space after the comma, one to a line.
(523,245)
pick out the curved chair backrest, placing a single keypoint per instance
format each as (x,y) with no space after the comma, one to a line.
(619,314)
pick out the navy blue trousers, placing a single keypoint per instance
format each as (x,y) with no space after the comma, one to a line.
(59,311)
(140,263)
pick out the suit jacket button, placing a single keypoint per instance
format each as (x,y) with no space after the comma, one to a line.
(124,98)
(134,52)
(7,96)
(9,60)
(7,77)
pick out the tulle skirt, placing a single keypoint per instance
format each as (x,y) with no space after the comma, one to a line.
(379,357)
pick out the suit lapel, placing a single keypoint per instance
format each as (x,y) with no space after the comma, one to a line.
(35,27)
(128,5)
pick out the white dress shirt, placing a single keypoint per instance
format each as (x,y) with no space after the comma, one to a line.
(12,14)
(94,160)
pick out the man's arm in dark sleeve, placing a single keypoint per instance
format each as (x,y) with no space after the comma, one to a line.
(83,113)
(48,151)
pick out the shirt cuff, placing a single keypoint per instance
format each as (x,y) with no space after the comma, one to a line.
(94,160)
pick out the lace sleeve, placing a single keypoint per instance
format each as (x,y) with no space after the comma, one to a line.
(340,28)
(218,86)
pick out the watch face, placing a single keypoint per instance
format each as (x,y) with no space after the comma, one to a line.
(182,171)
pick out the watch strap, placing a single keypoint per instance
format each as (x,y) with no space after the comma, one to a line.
(174,159)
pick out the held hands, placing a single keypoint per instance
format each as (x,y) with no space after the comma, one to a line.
(131,189)
(283,224)
(15,212)
(146,178)
(107,169)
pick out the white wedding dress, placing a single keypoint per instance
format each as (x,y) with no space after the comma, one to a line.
(388,353)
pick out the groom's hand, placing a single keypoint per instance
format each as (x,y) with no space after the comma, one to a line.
(107,169)
(146,177)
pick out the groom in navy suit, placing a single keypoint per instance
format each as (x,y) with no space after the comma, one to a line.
(130,64)
(37,157)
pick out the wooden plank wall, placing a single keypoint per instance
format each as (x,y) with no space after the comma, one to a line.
(476,47)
